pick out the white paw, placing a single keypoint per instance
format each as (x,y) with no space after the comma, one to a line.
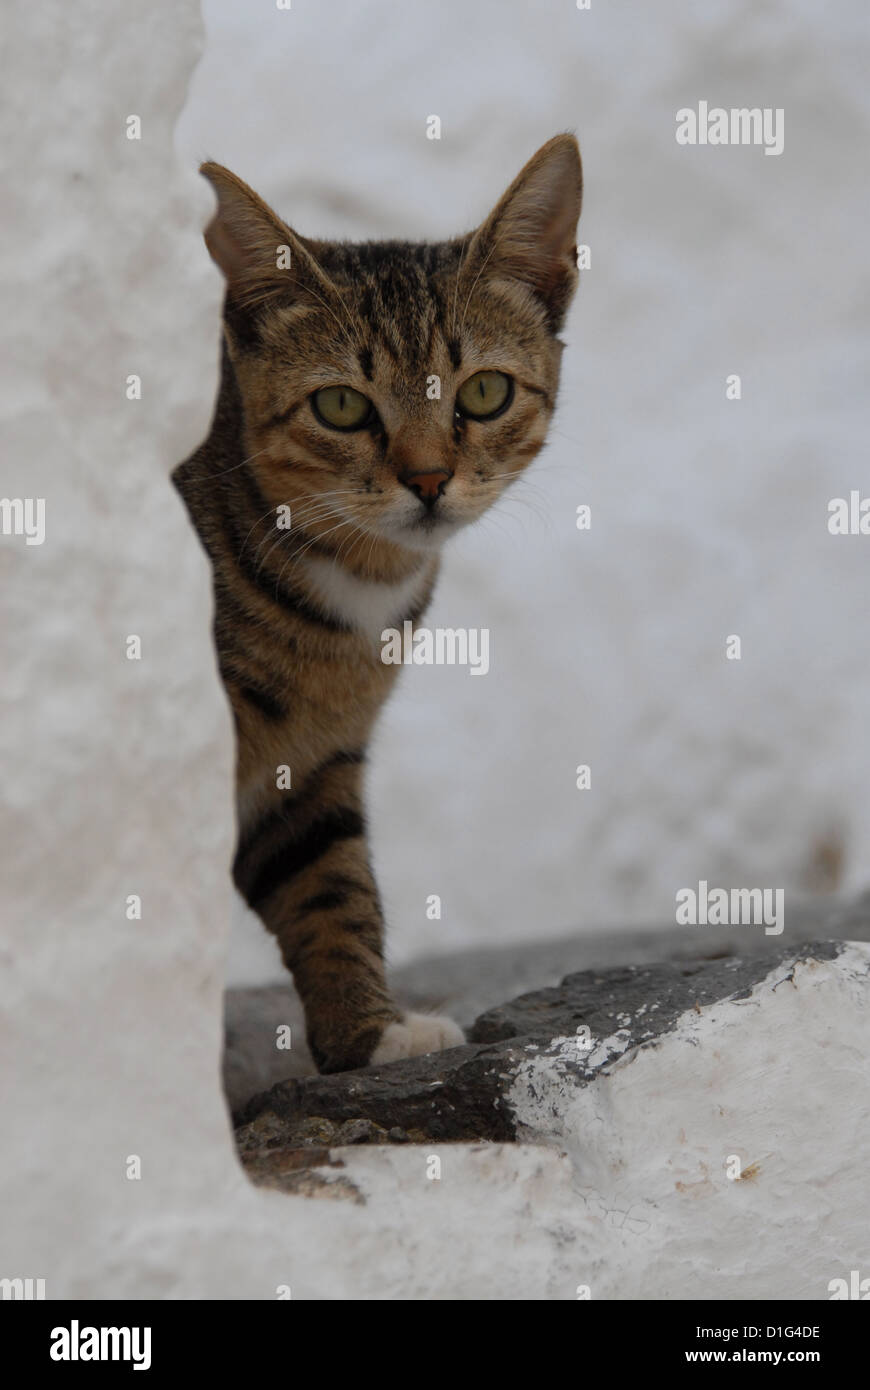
(415,1034)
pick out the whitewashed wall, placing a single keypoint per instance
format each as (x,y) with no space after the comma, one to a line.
(116,774)
(114,771)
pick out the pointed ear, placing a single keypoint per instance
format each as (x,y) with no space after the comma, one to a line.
(260,256)
(531,234)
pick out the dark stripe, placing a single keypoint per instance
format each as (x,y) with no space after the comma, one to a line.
(267,701)
(260,506)
(322,902)
(355,927)
(282,417)
(537,391)
(361,930)
(366,362)
(289,861)
(262,701)
(232,617)
(277,592)
(286,815)
(307,943)
(352,885)
(336,953)
(259,514)
(243,326)
(345,755)
(315,545)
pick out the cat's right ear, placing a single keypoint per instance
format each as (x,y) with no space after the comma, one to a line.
(260,256)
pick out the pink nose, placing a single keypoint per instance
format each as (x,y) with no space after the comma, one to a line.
(427,486)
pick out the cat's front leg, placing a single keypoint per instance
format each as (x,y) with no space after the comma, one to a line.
(332,941)
(335,952)
(303,866)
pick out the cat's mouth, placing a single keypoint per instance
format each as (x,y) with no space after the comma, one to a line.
(428,522)
(426,530)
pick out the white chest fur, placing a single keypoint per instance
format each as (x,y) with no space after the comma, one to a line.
(367,605)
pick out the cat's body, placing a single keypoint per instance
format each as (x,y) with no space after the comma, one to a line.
(326,408)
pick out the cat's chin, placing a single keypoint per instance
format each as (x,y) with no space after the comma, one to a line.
(422,536)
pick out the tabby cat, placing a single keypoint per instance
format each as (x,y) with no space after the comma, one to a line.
(326,408)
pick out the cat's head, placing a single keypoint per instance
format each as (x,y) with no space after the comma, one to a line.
(393,386)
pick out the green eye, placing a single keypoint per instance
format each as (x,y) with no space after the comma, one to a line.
(341,407)
(484,395)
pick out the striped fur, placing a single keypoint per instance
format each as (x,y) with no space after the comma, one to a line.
(298,610)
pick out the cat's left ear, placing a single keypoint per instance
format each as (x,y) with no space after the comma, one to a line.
(531,234)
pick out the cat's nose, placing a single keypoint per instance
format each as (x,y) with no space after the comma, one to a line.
(427,486)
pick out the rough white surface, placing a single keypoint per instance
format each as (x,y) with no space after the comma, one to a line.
(780,1081)
(117,774)
(709,516)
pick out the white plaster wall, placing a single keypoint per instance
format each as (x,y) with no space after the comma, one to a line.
(778,1081)
(117,774)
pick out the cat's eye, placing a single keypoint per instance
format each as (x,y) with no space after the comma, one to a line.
(485,395)
(341,407)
